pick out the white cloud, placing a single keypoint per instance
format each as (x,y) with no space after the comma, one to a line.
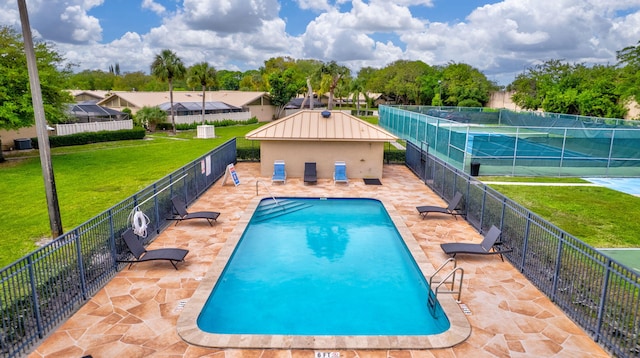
(229,16)
(318,5)
(65,21)
(379,15)
(84,28)
(504,37)
(153,6)
(499,39)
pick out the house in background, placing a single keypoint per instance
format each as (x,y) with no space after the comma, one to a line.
(296,105)
(83,117)
(255,104)
(82,96)
(86,112)
(323,137)
(9,137)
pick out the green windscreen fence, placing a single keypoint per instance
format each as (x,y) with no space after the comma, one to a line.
(520,143)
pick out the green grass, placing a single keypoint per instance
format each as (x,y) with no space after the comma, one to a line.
(601,217)
(89,179)
(530,179)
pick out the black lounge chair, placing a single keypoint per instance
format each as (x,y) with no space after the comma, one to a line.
(310,174)
(141,254)
(181,213)
(488,246)
(452,209)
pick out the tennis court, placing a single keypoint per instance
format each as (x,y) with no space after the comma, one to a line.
(627,257)
(625,185)
(520,143)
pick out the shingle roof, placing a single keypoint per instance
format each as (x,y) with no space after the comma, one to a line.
(311,125)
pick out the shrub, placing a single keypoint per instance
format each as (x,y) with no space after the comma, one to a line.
(469,102)
(151,117)
(216,123)
(248,154)
(92,137)
(394,156)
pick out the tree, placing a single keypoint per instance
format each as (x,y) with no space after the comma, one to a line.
(464,84)
(92,80)
(167,66)
(149,117)
(559,87)
(229,80)
(132,81)
(252,81)
(409,82)
(630,73)
(283,87)
(356,89)
(204,75)
(331,75)
(16,107)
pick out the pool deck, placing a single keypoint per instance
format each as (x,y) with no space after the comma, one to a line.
(137,313)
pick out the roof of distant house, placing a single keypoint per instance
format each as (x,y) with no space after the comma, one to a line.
(197,106)
(296,103)
(151,99)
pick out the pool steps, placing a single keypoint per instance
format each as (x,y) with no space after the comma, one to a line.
(271,209)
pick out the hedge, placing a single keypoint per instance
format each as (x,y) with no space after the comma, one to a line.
(92,137)
(216,123)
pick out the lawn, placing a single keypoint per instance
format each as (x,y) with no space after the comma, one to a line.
(89,179)
(601,217)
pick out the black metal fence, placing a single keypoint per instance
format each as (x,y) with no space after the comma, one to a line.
(598,293)
(47,286)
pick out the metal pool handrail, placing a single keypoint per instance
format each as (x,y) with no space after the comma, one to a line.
(269,191)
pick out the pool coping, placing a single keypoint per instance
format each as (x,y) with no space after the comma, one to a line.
(188,330)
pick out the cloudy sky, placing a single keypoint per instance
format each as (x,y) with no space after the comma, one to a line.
(500,38)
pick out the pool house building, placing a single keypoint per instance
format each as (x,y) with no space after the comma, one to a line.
(323,137)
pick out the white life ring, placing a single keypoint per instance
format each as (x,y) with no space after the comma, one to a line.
(139,223)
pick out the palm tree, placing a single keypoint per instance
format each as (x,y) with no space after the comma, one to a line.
(204,75)
(357,88)
(166,66)
(331,74)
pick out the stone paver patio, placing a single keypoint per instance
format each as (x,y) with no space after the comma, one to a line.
(136,314)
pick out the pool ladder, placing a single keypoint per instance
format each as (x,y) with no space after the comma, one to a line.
(449,279)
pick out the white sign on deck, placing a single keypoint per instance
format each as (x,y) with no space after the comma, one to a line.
(231,172)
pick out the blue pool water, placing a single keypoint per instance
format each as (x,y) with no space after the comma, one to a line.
(321,267)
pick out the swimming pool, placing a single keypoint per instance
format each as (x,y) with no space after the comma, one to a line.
(342,304)
(321,267)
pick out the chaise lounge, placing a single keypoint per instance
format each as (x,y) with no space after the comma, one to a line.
(340,173)
(310,174)
(279,172)
(488,246)
(173,255)
(181,213)
(452,209)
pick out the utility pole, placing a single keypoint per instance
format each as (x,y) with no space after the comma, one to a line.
(41,124)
